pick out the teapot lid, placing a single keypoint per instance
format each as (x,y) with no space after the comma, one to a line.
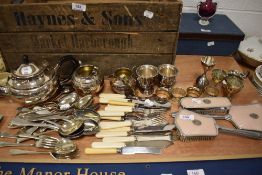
(27,69)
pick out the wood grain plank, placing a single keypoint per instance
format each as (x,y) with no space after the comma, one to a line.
(99,16)
(92,42)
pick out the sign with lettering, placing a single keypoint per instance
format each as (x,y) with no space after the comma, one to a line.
(93,42)
(93,16)
(73,170)
(235,166)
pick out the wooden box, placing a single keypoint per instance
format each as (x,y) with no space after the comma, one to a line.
(109,34)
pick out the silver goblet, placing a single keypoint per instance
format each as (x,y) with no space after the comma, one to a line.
(167,75)
(146,77)
(207,62)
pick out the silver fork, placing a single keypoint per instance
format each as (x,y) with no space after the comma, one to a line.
(10,144)
(45,144)
(42,142)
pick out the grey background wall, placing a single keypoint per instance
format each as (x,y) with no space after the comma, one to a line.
(246,14)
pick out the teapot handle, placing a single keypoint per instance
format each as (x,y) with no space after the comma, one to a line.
(133,69)
(62,77)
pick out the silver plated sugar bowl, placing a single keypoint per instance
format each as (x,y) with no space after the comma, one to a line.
(122,80)
(87,79)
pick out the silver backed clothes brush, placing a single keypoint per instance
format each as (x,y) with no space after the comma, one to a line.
(248,117)
(207,105)
(193,126)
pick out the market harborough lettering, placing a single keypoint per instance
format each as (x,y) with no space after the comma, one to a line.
(122,43)
(107,18)
(49,42)
(81,42)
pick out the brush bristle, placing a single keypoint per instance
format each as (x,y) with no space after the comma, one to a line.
(192,138)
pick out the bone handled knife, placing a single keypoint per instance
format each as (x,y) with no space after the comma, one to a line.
(137,138)
(118,124)
(103,134)
(126,129)
(112,118)
(153,143)
(111,113)
(111,95)
(123,150)
(119,108)
(105,100)
(108,145)
(121,103)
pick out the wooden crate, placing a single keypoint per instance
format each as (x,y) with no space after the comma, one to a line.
(117,32)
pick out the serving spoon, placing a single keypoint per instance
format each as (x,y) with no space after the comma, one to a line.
(64,149)
(67,128)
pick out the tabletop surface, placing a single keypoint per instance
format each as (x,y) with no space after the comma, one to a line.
(222,147)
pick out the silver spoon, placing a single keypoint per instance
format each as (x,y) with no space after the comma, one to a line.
(67,128)
(84,102)
(67,101)
(64,149)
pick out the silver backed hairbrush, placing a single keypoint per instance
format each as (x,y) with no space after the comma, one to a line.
(192,126)
(207,106)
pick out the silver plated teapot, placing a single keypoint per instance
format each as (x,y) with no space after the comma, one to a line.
(32,84)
